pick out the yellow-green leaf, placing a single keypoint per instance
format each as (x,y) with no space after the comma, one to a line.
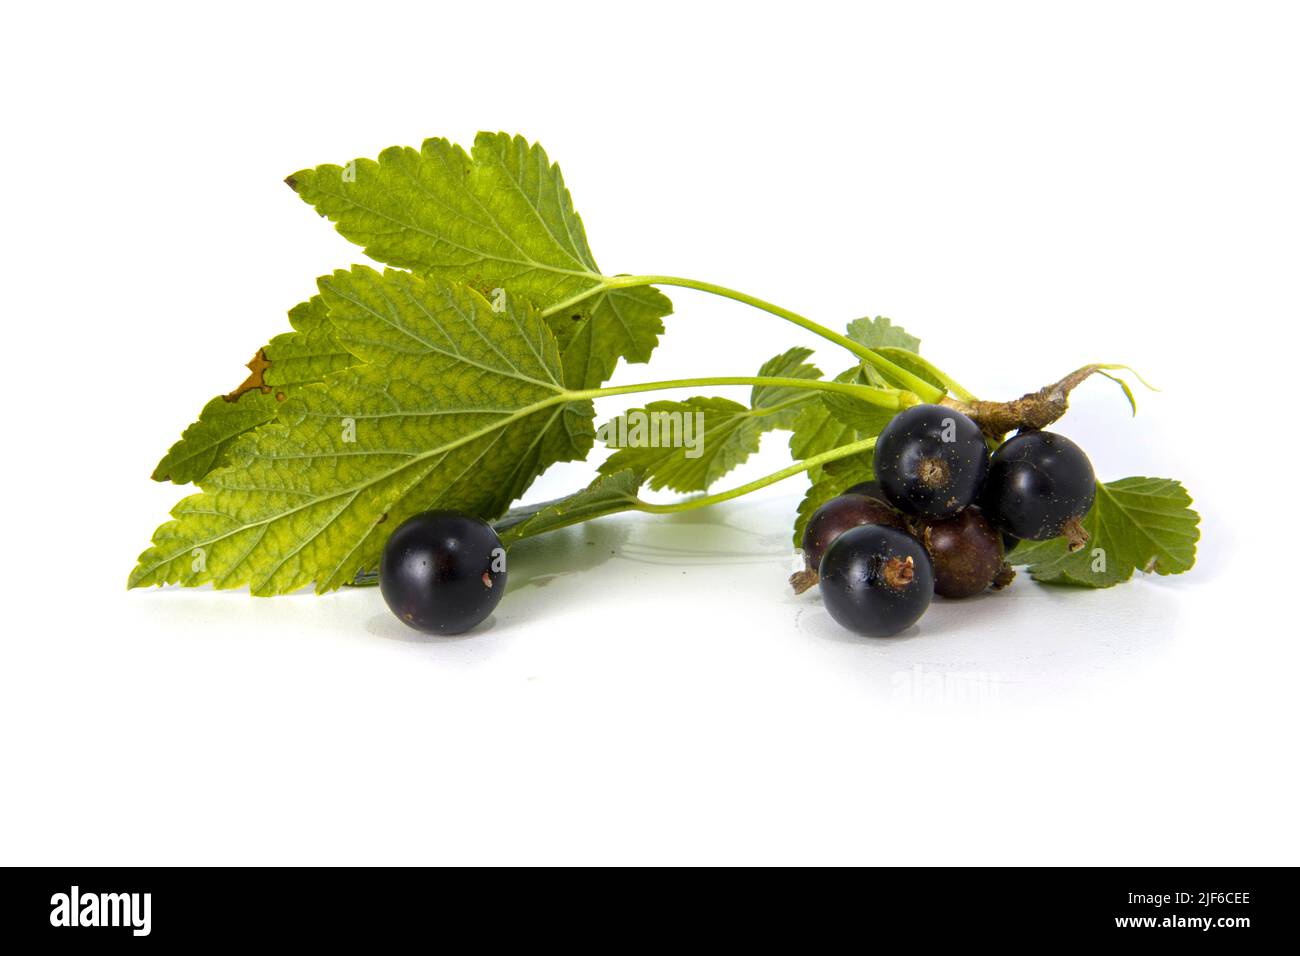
(498,217)
(462,408)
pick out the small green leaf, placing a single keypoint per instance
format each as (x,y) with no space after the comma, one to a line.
(862,417)
(816,430)
(888,341)
(606,495)
(499,217)
(464,408)
(285,364)
(822,426)
(835,419)
(1142,524)
(782,404)
(688,445)
(685,446)
(880,333)
(832,480)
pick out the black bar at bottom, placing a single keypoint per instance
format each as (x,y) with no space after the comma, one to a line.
(301,906)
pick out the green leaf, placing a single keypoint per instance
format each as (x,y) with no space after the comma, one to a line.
(833,420)
(1143,524)
(460,407)
(816,429)
(826,424)
(606,495)
(688,445)
(862,418)
(286,363)
(830,481)
(310,352)
(204,444)
(499,217)
(781,405)
(837,419)
(880,332)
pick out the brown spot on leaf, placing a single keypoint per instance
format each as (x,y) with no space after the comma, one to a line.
(291,183)
(257,367)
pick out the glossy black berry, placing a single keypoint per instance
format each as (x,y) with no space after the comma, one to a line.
(876,580)
(966,551)
(931,461)
(442,572)
(1040,486)
(831,520)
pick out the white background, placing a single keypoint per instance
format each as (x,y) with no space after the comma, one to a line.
(1026,186)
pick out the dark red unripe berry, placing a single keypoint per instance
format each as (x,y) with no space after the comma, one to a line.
(831,520)
(967,553)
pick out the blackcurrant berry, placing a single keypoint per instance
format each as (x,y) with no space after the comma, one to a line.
(931,461)
(966,551)
(442,572)
(876,580)
(830,521)
(1040,486)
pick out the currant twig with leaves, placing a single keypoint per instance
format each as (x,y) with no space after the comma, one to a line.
(459,374)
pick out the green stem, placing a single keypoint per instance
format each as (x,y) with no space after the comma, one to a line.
(915,383)
(690,504)
(948,381)
(621,282)
(903,377)
(765,411)
(890,398)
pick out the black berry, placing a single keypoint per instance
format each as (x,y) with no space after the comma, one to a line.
(876,580)
(1040,486)
(931,461)
(442,572)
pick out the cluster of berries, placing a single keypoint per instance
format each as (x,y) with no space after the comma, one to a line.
(940,517)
